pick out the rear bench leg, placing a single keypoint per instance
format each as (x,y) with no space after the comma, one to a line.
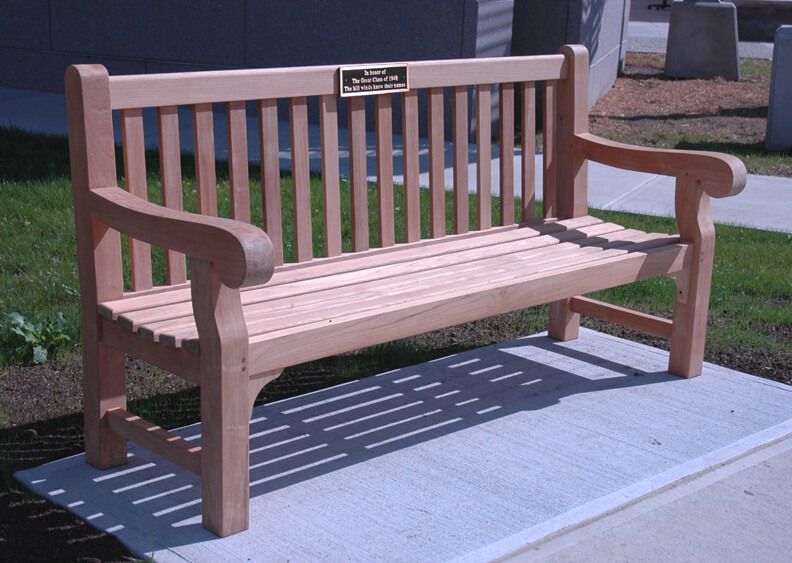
(224,401)
(693,285)
(104,388)
(563,323)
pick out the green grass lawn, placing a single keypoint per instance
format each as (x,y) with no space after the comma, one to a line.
(752,287)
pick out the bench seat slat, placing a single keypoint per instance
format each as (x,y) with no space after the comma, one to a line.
(406,286)
(353,290)
(282,296)
(358,261)
(455,306)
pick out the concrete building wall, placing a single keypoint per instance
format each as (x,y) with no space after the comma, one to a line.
(540,27)
(40,38)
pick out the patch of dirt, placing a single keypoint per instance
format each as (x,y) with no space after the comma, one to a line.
(647,108)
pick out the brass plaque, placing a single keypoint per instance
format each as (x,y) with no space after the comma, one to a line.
(370,80)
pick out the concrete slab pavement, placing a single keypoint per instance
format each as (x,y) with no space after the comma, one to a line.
(479,456)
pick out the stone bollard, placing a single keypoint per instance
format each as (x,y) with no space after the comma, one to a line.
(779,111)
(702,40)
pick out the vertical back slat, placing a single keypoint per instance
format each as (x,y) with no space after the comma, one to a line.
(507,154)
(270,175)
(412,202)
(135,173)
(171,178)
(436,163)
(205,174)
(387,235)
(238,161)
(357,173)
(549,174)
(301,181)
(484,155)
(460,137)
(330,175)
(528,129)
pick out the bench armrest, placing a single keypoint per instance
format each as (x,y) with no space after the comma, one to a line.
(242,253)
(717,174)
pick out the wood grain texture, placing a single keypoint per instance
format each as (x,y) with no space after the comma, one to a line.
(301,180)
(171,179)
(459,133)
(178,362)
(205,173)
(717,174)
(693,287)
(528,135)
(241,251)
(436,131)
(92,159)
(358,185)
(507,153)
(649,324)
(331,189)
(270,175)
(134,144)
(147,90)
(549,167)
(224,401)
(384,125)
(238,161)
(412,201)
(484,156)
(152,437)
(572,120)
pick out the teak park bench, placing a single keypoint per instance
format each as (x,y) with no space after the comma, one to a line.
(245,315)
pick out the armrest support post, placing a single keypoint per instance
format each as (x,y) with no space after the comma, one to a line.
(693,285)
(224,400)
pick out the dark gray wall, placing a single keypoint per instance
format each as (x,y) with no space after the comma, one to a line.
(40,38)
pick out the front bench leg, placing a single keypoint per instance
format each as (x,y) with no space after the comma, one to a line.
(224,401)
(694,284)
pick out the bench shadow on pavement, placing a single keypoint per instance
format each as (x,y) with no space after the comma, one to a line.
(304,437)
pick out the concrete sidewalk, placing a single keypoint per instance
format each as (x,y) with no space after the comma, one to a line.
(552,451)
(766,202)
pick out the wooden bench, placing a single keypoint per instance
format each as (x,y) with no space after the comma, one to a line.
(245,315)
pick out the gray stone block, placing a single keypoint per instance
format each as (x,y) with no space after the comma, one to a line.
(24,23)
(779,117)
(201,31)
(702,40)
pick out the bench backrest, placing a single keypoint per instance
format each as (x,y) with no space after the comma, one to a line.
(513,81)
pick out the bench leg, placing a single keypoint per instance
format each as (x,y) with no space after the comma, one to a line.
(225,415)
(104,388)
(563,324)
(690,321)
(224,455)
(693,285)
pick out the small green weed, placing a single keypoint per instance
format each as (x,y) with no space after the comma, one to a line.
(23,341)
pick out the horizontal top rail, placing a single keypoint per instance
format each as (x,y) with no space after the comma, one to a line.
(187,88)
